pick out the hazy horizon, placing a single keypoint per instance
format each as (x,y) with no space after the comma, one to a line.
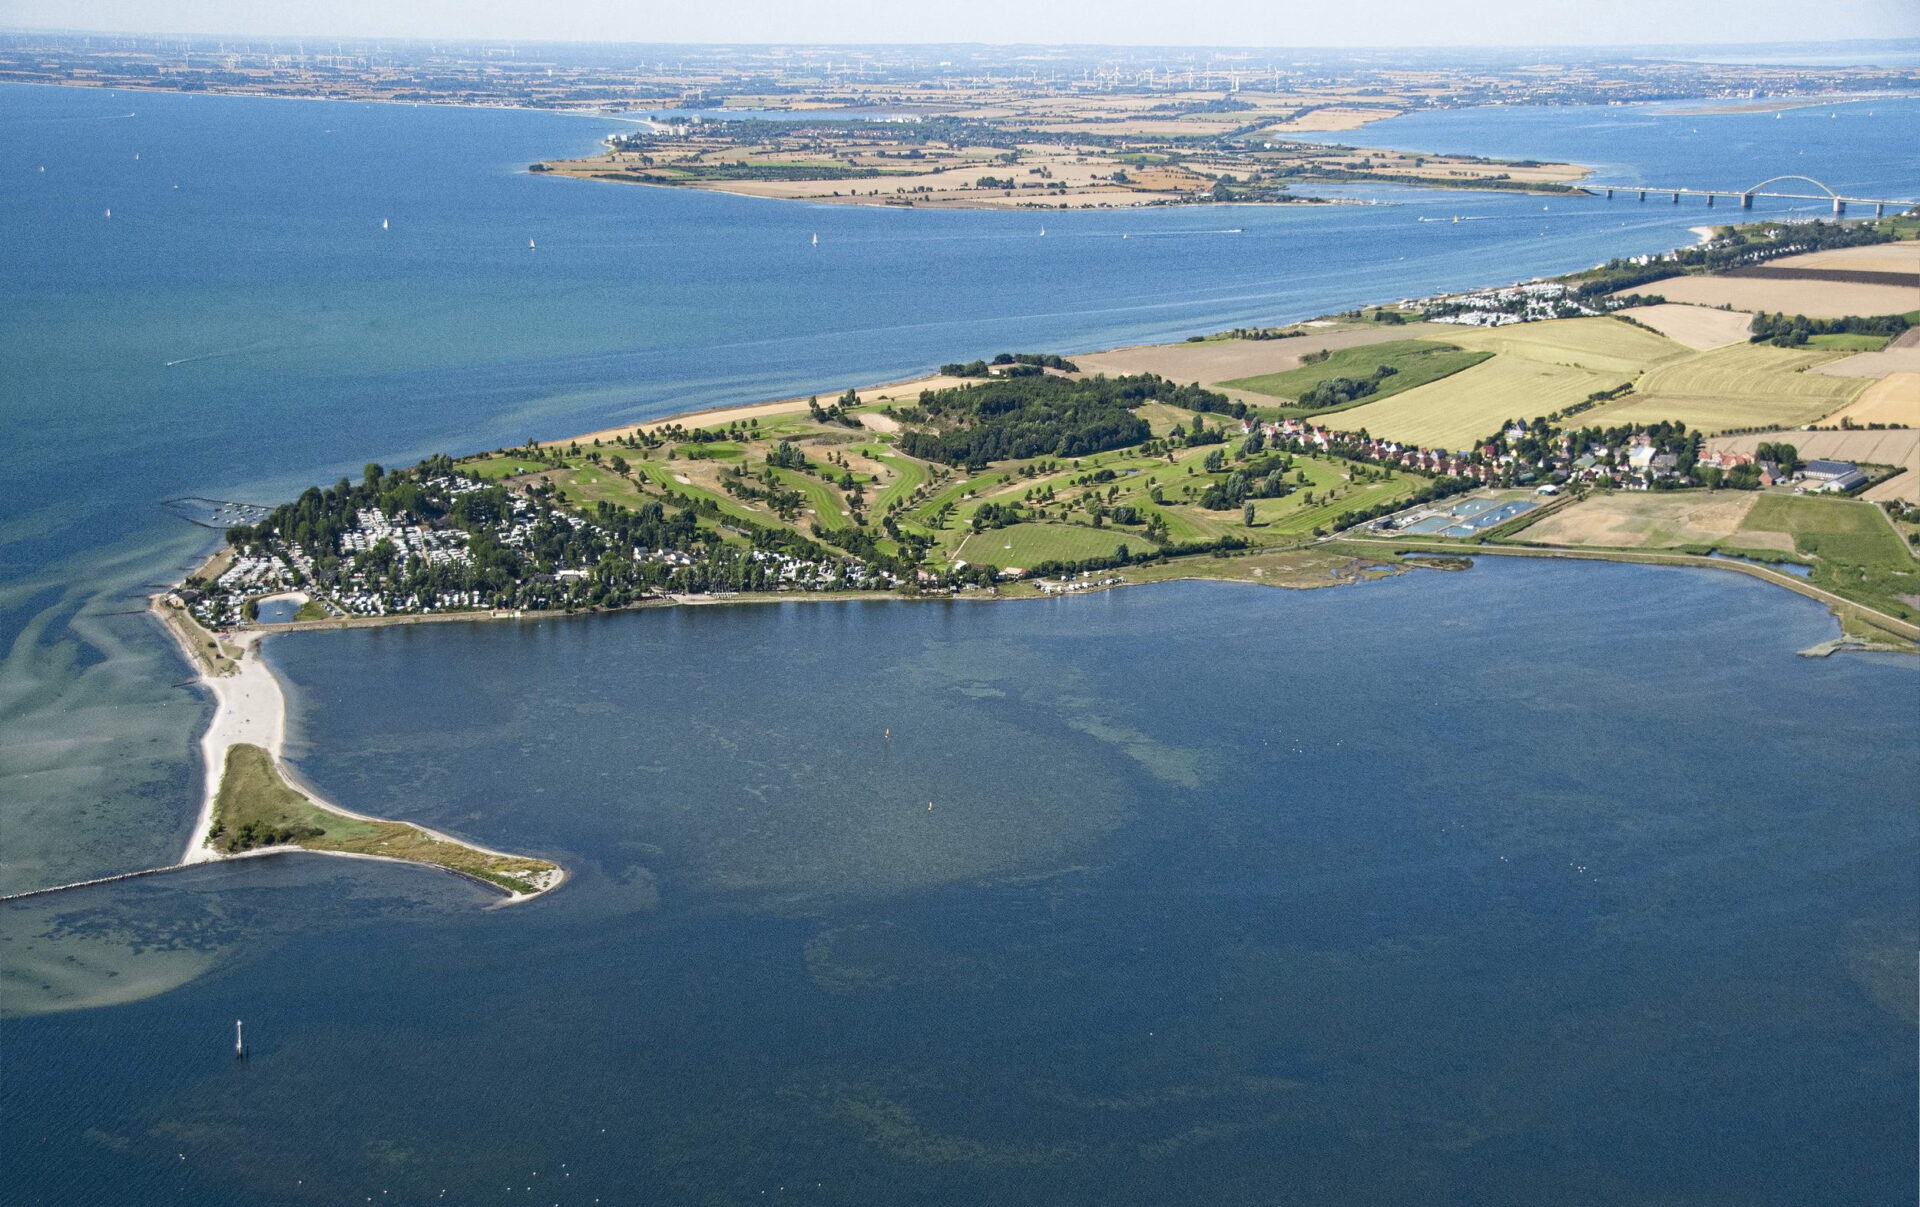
(1220,24)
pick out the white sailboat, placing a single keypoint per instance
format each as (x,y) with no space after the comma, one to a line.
(109,213)
(529,244)
(1043,232)
(383,224)
(816,239)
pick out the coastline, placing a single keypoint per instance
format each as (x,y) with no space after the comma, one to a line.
(250,709)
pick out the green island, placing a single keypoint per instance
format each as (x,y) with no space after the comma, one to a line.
(256,809)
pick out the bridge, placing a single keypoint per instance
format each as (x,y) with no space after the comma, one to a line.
(1764,189)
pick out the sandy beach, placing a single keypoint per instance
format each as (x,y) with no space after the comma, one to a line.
(251,709)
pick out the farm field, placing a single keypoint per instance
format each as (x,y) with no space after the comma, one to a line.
(1815,299)
(1599,345)
(1537,368)
(1893,399)
(1416,362)
(1458,410)
(1740,386)
(1647,520)
(1218,362)
(1873,257)
(1697,327)
(1901,355)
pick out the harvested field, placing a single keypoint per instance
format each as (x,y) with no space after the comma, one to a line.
(1875,257)
(1636,520)
(1900,356)
(1896,399)
(1455,411)
(1333,117)
(1216,361)
(1599,345)
(1744,385)
(1537,368)
(1815,299)
(1695,326)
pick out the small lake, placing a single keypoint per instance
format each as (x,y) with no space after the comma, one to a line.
(276,611)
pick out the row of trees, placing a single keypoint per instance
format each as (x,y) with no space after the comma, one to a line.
(1784,332)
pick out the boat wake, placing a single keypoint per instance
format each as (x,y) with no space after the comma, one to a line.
(187,360)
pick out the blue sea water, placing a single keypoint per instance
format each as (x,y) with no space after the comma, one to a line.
(1453,888)
(1442,889)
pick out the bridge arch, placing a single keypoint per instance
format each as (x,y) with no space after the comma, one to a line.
(1822,186)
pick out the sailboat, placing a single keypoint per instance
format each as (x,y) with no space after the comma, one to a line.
(816,239)
(529,244)
(109,213)
(383,224)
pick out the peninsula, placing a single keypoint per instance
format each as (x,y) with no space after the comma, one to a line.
(1300,455)
(253,805)
(1345,448)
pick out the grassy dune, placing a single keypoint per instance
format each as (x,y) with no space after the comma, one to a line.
(256,807)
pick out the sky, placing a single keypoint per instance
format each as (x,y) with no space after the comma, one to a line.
(1106,22)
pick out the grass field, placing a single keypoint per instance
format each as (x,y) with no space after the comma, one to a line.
(254,798)
(1419,361)
(667,475)
(908,476)
(1740,386)
(1855,551)
(823,499)
(1028,545)
(1848,343)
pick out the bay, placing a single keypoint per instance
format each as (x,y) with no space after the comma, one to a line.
(1451,888)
